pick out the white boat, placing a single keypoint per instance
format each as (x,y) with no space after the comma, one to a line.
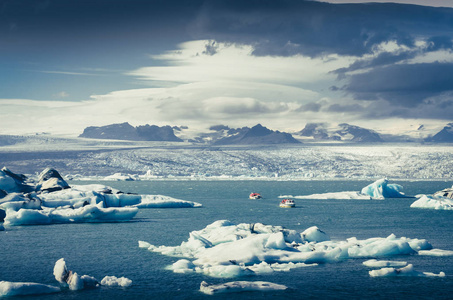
(255,196)
(287,203)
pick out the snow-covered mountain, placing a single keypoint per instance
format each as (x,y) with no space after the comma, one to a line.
(443,136)
(343,132)
(257,135)
(125,131)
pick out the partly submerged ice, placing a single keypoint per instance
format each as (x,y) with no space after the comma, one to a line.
(433,202)
(405,271)
(73,281)
(67,280)
(88,213)
(378,190)
(374,263)
(225,249)
(240,286)
(8,289)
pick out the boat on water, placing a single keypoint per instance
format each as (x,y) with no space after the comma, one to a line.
(287,203)
(255,196)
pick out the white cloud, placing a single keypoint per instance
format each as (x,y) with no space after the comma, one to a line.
(233,62)
(225,86)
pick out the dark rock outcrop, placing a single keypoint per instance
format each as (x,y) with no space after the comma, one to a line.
(257,135)
(125,131)
(443,136)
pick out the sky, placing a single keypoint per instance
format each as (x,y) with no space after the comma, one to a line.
(66,65)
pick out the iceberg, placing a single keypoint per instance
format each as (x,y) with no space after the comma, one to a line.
(73,281)
(8,289)
(50,180)
(224,249)
(114,281)
(97,193)
(436,252)
(67,280)
(11,182)
(336,196)
(383,189)
(406,271)
(88,213)
(378,190)
(374,263)
(433,202)
(240,286)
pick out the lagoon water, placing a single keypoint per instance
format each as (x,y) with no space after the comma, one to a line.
(30,252)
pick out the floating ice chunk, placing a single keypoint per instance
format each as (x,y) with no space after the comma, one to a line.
(60,271)
(79,195)
(223,249)
(8,289)
(337,196)
(143,244)
(88,213)
(16,201)
(240,286)
(121,177)
(183,266)
(70,279)
(114,281)
(7,183)
(406,271)
(11,182)
(314,234)
(225,271)
(50,180)
(265,268)
(436,252)
(373,263)
(382,189)
(433,202)
(159,201)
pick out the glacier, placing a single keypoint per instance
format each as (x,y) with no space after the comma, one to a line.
(224,249)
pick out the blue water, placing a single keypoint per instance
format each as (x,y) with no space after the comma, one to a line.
(29,252)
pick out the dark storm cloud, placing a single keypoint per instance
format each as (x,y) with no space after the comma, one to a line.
(284,27)
(291,27)
(402,85)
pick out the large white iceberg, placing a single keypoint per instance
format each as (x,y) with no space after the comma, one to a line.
(239,286)
(378,190)
(224,249)
(383,189)
(433,202)
(88,213)
(96,193)
(335,195)
(8,289)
